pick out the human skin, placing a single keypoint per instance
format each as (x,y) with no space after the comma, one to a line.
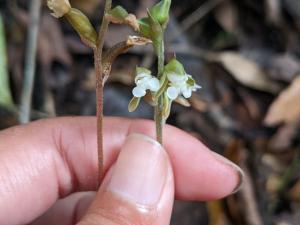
(48,170)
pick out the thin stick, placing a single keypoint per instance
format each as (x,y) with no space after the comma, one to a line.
(98,52)
(30,61)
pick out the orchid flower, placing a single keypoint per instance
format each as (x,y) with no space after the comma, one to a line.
(145,81)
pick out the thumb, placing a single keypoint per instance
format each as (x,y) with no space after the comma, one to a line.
(138,189)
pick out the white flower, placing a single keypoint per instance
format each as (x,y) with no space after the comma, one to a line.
(59,7)
(181,85)
(144,82)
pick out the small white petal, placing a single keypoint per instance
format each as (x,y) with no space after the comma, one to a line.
(196,87)
(141,76)
(187,93)
(138,92)
(154,84)
(172,93)
(143,83)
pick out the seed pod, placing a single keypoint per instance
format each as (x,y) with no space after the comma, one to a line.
(82,25)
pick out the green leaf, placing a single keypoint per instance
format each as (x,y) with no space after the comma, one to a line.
(5,93)
(164,86)
(145,29)
(134,103)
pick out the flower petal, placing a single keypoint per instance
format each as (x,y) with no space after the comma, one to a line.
(138,92)
(196,87)
(154,84)
(172,93)
(187,93)
(141,76)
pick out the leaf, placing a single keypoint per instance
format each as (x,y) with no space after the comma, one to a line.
(134,103)
(5,93)
(286,107)
(246,72)
(119,15)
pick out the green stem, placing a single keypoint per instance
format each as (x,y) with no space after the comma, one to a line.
(98,52)
(159,121)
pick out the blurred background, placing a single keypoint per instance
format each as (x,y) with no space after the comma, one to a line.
(244,53)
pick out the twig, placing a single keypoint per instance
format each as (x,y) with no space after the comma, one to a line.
(5,93)
(98,52)
(30,61)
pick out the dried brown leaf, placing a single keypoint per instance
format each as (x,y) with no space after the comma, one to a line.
(226,15)
(285,108)
(247,72)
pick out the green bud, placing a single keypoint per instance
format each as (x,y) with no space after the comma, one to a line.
(174,66)
(161,11)
(134,103)
(156,29)
(82,25)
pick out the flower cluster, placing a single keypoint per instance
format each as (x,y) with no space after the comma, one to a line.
(181,85)
(174,83)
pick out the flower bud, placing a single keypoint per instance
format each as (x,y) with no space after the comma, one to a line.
(161,11)
(82,25)
(59,7)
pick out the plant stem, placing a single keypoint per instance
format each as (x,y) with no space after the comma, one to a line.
(159,120)
(29,71)
(98,52)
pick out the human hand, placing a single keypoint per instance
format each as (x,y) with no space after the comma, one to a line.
(48,160)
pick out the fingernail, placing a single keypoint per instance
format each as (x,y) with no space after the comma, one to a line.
(140,171)
(239,172)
